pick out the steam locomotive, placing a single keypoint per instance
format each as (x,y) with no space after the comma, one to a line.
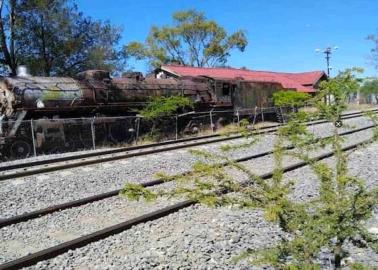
(45,100)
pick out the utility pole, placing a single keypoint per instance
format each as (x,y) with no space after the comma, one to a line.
(327,52)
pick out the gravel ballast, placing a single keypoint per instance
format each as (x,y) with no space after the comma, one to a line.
(193,238)
(206,238)
(24,238)
(63,226)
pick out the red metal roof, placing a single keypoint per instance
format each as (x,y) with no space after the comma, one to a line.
(302,82)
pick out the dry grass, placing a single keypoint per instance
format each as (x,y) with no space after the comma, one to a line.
(361,107)
(229,129)
(308,109)
(351,107)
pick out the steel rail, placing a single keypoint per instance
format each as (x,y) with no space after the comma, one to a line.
(125,155)
(118,228)
(102,196)
(188,142)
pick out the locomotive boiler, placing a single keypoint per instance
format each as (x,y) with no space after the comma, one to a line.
(89,93)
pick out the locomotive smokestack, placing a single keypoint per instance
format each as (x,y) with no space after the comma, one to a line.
(22,71)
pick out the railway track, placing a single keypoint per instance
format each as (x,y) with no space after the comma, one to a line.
(82,241)
(98,197)
(61,163)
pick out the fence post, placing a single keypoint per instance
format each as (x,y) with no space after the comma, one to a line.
(211,121)
(137,130)
(283,116)
(254,117)
(262,114)
(237,114)
(33,137)
(176,127)
(93,133)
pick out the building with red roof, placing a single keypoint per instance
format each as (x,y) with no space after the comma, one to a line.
(306,82)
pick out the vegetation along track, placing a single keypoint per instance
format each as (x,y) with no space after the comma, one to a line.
(115,229)
(50,165)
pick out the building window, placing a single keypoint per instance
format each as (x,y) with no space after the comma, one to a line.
(226,89)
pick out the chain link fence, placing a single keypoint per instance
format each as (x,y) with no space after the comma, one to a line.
(51,136)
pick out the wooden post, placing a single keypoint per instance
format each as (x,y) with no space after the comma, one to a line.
(93,133)
(33,137)
(176,127)
(211,121)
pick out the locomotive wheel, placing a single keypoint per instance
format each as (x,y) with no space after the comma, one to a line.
(70,145)
(20,148)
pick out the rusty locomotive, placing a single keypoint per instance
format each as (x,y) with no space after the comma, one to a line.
(45,100)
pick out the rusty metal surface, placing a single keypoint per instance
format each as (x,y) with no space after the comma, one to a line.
(91,88)
(43,92)
(98,88)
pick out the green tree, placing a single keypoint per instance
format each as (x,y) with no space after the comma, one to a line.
(160,107)
(55,38)
(192,40)
(327,221)
(340,88)
(370,87)
(374,50)
(8,34)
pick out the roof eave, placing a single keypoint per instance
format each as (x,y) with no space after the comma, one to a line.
(164,68)
(319,77)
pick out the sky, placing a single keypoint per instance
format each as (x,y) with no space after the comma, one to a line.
(282,34)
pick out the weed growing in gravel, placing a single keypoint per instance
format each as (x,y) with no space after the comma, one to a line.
(135,191)
(324,223)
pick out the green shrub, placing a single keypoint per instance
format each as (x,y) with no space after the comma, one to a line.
(290,98)
(164,106)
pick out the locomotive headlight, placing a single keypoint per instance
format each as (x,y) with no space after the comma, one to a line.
(40,104)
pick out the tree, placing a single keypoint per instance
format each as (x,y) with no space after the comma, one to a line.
(370,87)
(54,38)
(374,50)
(192,40)
(8,36)
(328,221)
(339,88)
(290,98)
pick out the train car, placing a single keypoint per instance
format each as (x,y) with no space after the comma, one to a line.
(53,102)
(48,100)
(242,95)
